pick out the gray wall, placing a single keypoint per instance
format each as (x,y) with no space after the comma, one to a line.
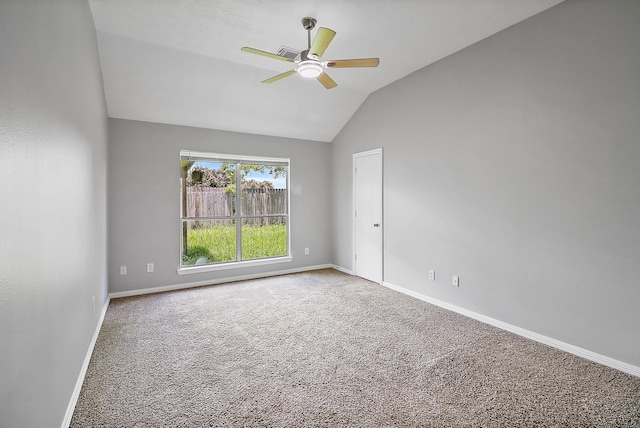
(144,200)
(515,165)
(53,139)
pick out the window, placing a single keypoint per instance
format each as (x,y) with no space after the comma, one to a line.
(234,210)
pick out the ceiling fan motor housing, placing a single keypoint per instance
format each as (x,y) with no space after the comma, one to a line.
(308,23)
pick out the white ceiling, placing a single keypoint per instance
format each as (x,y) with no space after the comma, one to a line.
(179,61)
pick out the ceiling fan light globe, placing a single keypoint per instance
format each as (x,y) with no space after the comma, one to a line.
(309,69)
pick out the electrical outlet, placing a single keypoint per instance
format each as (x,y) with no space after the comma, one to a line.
(93,303)
(149,267)
(432,275)
(123,270)
(306,251)
(456,281)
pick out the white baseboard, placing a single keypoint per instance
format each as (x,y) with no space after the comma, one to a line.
(341,269)
(83,371)
(162,289)
(575,350)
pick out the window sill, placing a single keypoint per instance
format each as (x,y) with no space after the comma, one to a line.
(233,265)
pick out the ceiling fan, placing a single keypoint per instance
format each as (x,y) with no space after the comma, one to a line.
(308,62)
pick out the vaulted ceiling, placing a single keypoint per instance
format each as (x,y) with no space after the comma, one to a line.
(179,61)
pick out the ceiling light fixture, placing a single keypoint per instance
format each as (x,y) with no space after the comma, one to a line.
(310,69)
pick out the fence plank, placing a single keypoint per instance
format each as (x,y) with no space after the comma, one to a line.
(214,202)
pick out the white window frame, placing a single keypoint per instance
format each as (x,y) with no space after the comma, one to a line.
(235,264)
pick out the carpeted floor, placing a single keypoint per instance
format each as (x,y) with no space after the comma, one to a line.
(327,349)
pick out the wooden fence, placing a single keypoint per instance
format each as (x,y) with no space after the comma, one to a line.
(214,202)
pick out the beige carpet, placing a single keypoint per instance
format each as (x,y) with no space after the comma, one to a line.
(327,349)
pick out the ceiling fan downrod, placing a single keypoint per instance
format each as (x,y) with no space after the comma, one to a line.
(309,24)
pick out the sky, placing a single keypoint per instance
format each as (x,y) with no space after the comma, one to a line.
(278,183)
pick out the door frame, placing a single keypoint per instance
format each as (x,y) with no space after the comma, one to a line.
(353,207)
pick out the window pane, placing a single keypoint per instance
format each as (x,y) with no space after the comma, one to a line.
(209,189)
(264,237)
(231,198)
(208,241)
(264,189)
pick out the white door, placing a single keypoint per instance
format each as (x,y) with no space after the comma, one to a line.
(367,224)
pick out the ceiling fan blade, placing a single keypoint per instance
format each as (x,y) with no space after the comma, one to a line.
(279,76)
(321,41)
(267,54)
(347,63)
(326,81)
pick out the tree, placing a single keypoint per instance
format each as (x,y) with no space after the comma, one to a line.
(225,176)
(246,169)
(200,176)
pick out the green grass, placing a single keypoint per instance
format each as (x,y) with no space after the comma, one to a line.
(218,243)
(264,241)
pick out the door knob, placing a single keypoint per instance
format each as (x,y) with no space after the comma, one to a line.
(376,224)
